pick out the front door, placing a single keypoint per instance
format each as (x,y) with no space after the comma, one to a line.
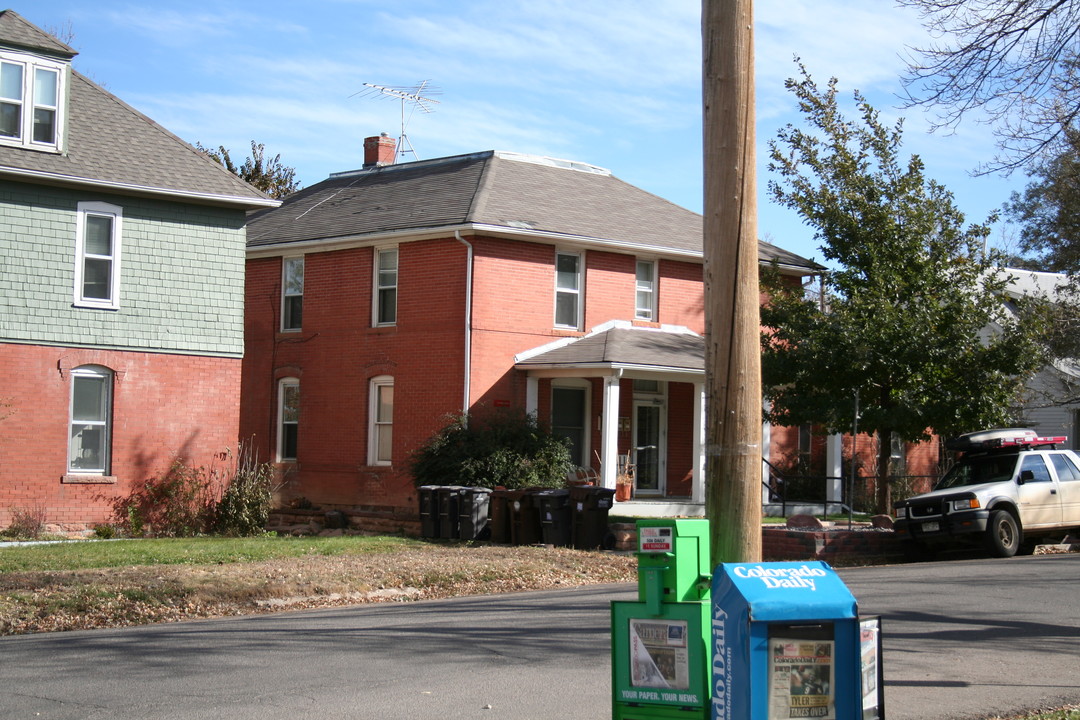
(648,447)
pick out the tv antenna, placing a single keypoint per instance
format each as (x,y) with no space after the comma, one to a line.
(414,96)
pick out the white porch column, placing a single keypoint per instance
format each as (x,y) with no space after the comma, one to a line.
(834,468)
(697,494)
(532,394)
(609,432)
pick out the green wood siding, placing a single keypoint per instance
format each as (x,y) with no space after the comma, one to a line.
(182,274)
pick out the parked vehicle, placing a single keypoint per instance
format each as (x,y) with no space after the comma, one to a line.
(1009,489)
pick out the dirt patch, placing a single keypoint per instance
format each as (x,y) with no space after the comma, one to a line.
(72,600)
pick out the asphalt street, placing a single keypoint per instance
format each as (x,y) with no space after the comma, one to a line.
(961,639)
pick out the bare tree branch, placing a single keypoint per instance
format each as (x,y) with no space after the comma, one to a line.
(1013,62)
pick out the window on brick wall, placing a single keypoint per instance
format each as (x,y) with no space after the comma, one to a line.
(31,101)
(89,439)
(645,290)
(97,255)
(386,285)
(288,419)
(568,286)
(292,293)
(381,420)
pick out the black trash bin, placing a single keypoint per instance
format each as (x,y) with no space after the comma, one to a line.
(524,516)
(473,517)
(429,511)
(449,510)
(499,522)
(589,506)
(554,516)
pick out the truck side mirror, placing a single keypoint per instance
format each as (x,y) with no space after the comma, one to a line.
(1026,476)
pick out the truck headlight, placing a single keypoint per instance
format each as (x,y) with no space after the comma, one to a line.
(965,504)
(901,513)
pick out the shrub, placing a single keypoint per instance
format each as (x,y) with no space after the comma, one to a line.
(187,501)
(489,448)
(179,503)
(245,504)
(26,523)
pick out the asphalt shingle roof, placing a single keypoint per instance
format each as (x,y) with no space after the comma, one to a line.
(112,145)
(498,190)
(17,32)
(627,346)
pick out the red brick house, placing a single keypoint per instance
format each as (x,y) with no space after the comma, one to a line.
(381,300)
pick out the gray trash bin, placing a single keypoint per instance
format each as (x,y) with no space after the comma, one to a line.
(473,515)
(429,511)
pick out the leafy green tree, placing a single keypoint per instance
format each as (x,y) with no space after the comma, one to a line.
(1048,211)
(263,173)
(912,321)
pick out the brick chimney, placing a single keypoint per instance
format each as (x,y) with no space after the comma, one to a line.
(379,151)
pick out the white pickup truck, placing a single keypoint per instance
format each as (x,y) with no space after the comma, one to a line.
(1009,488)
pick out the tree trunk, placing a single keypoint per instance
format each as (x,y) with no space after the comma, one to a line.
(732,311)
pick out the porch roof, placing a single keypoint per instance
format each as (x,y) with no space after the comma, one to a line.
(647,349)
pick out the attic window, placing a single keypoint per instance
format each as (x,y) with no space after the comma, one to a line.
(31,91)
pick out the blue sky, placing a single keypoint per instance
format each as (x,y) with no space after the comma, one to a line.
(615,83)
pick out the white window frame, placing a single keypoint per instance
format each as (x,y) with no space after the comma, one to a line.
(645,311)
(28,103)
(378,425)
(575,292)
(378,285)
(282,421)
(116,215)
(96,373)
(286,295)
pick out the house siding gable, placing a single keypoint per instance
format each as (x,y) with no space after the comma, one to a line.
(182,274)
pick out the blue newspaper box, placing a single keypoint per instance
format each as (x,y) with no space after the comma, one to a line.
(785,644)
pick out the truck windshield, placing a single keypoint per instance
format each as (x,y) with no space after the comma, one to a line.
(979,470)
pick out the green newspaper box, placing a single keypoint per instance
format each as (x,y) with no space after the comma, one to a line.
(661,644)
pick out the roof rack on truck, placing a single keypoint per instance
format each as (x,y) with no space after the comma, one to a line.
(1015,438)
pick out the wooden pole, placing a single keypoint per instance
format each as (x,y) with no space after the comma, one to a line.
(732,311)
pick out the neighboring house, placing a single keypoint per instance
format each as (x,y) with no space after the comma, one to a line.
(121,297)
(379,301)
(1051,401)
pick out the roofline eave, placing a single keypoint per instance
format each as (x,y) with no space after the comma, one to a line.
(48,178)
(343,242)
(605,369)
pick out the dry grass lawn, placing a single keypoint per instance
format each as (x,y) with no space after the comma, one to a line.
(69,599)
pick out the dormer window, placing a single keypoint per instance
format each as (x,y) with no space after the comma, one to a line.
(31,90)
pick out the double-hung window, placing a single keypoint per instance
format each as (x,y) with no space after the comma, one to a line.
(31,90)
(381,420)
(292,293)
(288,418)
(90,420)
(568,290)
(386,285)
(645,290)
(97,255)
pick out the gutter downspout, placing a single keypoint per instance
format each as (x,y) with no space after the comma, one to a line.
(468,320)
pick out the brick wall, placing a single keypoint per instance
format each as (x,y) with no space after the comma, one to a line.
(164,407)
(337,352)
(335,356)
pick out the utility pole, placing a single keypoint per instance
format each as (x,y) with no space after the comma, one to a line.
(732,311)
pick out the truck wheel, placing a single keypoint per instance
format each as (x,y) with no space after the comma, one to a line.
(1002,534)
